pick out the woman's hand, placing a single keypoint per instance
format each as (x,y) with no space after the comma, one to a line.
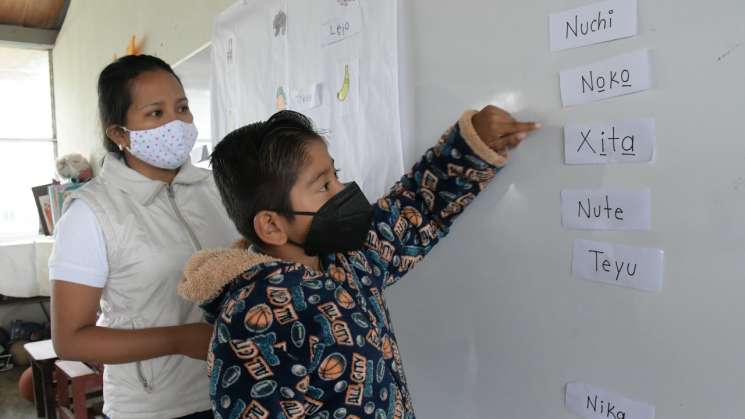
(76,336)
(499,130)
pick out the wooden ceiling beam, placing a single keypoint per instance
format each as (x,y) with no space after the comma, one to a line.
(42,14)
(18,36)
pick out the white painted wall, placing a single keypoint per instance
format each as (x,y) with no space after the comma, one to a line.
(94,31)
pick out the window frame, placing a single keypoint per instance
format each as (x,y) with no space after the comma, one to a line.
(53,140)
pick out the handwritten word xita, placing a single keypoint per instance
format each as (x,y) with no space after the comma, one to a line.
(606,143)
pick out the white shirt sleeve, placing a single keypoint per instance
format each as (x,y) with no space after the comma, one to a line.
(79,252)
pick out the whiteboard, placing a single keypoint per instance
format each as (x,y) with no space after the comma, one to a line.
(492,324)
(317,58)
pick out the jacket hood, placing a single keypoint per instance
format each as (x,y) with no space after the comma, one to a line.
(208,273)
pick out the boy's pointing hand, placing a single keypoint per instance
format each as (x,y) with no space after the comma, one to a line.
(499,130)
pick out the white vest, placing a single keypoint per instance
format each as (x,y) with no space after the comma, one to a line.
(151,229)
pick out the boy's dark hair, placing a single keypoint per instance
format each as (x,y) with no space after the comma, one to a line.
(114,84)
(256,166)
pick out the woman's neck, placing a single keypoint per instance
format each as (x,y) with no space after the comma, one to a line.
(149,171)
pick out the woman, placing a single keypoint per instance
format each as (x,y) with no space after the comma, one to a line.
(123,241)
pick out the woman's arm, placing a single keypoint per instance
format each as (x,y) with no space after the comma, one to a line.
(76,336)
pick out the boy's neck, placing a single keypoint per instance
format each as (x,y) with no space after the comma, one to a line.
(293,254)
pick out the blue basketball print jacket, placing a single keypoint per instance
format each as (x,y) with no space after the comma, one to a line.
(291,342)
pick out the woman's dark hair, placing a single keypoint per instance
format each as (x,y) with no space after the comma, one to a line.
(114,84)
(256,166)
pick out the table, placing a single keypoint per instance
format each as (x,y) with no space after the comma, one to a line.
(42,358)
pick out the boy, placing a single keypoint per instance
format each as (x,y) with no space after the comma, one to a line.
(301,326)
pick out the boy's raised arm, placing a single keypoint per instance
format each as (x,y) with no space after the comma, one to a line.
(422,206)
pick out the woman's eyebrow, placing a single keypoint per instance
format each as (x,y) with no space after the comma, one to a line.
(159,103)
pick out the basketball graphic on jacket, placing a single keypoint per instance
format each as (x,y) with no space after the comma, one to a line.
(332,367)
(259,319)
(412,215)
(344,298)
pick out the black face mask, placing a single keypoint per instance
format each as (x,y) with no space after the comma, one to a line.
(340,225)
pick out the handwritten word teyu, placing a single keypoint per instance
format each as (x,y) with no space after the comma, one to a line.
(624,266)
(617,76)
(620,141)
(598,22)
(613,209)
(592,402)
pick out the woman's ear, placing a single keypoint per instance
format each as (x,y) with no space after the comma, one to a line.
(270,228)
(118,136)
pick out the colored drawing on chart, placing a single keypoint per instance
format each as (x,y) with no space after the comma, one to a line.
(344,92)
(280,23)
(281,100)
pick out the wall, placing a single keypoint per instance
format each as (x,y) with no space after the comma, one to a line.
(94,31)
(493,324)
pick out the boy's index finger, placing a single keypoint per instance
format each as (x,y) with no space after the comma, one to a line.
(516,127)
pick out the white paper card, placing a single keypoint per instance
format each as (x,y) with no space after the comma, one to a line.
(624,266)
(617,76)
(346,24)
(308,98)
(616,141)
(592,402)
(598,22)
(606,209)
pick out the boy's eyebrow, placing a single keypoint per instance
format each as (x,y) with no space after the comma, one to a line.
(320,175)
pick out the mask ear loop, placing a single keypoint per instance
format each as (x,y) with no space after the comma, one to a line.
(311,214)
(289,240)
(121,147)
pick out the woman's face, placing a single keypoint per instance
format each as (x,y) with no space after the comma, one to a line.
(157,99)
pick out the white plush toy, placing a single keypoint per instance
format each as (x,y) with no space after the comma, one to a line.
(74,167)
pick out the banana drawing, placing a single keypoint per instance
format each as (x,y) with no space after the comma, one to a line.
(342,94)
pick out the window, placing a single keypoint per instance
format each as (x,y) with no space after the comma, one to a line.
(199,103)
(194,71)
(27,140)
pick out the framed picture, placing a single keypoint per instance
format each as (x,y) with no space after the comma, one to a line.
(58,193)
(44,207)
(6,363)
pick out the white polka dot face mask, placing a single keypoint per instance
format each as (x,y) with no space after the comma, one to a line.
(167,146)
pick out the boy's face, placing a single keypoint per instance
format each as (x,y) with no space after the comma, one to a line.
(317,182)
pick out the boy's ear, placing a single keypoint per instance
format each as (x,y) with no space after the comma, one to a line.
(269,227)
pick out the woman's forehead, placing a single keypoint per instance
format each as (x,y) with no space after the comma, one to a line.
(154,86)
